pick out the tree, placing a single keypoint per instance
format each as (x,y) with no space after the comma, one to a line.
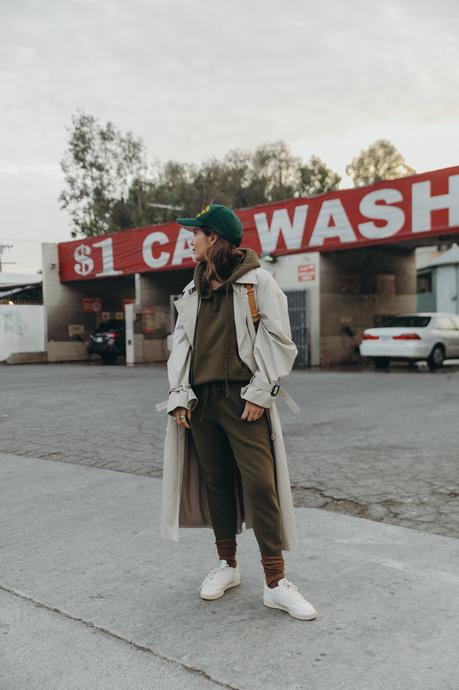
(169,184)
(240,179)
(380,161)
(274,174)
(317,178)
(108,187)
(238,173)
(100,166)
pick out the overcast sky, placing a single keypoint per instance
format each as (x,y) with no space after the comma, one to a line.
(195,79)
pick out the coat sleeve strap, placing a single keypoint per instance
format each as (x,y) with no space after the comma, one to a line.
(275,390)
(252,303)
(289,400)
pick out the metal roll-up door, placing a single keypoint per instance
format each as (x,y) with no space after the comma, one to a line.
(298,313)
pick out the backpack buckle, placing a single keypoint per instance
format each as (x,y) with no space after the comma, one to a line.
(275,389)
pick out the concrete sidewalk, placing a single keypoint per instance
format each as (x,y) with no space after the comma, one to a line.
(92,597)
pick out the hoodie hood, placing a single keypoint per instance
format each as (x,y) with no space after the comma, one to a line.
(246,263)
(220,300)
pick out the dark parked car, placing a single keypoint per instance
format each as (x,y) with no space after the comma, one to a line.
(108,340)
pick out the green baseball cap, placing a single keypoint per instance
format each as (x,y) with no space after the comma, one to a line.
(218,218)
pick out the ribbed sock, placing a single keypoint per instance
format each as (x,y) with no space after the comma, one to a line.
(227,550)
(274,567)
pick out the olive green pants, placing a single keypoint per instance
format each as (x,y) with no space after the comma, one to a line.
(225,442)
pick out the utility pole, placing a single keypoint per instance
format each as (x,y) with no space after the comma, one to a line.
(2,249)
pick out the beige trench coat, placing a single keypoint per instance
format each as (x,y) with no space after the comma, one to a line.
(269,352)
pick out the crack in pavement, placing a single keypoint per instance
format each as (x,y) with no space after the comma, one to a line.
(104,631)
(386,510)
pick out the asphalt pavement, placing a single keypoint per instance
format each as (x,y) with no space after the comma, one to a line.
(379,445)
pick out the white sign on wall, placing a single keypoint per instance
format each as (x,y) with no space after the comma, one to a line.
(306,272)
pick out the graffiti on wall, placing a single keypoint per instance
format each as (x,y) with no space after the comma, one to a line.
(21,329)
(12,321)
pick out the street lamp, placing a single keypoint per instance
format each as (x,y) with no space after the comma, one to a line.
(268,258)
(166,206)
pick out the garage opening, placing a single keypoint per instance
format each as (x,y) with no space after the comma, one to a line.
(298,313)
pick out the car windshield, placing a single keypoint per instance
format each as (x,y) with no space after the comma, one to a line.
(408,322)
(109,326)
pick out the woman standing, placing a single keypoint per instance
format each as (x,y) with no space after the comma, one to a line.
(226,453)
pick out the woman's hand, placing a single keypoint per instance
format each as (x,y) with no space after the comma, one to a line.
(181,416)
(252,412)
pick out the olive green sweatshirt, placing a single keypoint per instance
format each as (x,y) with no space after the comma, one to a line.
(215,353)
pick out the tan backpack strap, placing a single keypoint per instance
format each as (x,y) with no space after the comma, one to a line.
(252,302)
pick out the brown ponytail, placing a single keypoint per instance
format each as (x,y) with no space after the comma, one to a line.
(222,257)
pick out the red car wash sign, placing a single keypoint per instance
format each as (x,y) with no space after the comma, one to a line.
(393,210)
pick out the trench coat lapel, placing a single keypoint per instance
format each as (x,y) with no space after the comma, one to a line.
(187,306)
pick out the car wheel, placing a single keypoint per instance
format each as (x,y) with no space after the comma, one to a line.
(381,362)
(436,358)
(109,358)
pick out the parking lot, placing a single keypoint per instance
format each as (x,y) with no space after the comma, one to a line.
(380,445)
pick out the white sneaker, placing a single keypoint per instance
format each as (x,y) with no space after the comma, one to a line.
(221,578)
(287,597)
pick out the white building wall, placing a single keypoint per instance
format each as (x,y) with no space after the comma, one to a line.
(22,329)
(291,272)
(447,288)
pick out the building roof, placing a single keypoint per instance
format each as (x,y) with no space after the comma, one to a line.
(14,280)
(451,256)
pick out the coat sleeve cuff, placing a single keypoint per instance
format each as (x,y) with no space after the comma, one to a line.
(260,393)
(181,396)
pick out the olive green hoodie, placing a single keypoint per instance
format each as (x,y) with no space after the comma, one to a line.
(215,353)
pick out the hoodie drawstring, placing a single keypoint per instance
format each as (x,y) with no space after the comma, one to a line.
(226,341)
(206,393)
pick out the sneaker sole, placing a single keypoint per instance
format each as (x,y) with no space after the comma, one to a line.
(306,617)
(219,596)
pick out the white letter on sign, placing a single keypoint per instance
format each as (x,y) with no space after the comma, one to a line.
(332,210)
(107,258)
(293,233)
(392,214)
(183,249)
(423,204)
(147,250)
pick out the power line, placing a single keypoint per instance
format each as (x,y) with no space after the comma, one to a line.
(14,239)
(23,267)
(21,256)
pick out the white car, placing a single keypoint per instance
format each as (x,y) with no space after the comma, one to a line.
(433,337)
